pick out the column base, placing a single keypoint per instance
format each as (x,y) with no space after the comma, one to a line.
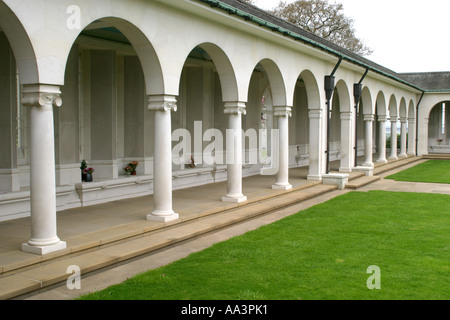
(163,218)
(402,155)
(345,170)
(43,250)
(382,161)
(368,171)
(234,199)
(368,164)
(336,179)
(393,158)
(282,186)
(314,178)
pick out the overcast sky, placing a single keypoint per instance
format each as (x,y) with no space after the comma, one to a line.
(406,35)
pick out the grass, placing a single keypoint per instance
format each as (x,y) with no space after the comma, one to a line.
(433,171)
(318,254)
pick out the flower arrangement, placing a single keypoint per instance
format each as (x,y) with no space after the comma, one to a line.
(88,170)
(131,168)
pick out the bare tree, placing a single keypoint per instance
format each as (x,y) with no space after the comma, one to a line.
(324,20)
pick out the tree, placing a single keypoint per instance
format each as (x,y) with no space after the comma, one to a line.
(324,20)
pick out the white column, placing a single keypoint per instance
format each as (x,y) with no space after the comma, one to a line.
(315,145)
(346,142)
(368,146)
(282,179)
(41,99)
(382,137)
(447,123)
(162,159)
(234,110)
(411,136)
(403,131)
(393,139)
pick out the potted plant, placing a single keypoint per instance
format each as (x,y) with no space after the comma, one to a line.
(82,167)
(88,172)
(131,168)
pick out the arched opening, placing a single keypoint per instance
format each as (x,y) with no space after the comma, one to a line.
(411,129)
(266,91)
(315,116)
(340,103)
(439,128)
(382,118)
(18,65)
(13,124)
(200,123)
(403,139)
(392,134)
(299,125)
(369,126)
(111,70)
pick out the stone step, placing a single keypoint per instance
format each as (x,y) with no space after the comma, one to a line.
(41,276)
(381,168)
(360,182)
(437,156)
(17,261)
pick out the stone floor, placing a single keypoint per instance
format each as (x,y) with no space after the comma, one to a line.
(112,242)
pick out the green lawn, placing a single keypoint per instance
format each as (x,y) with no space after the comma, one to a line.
(435,171)
(318,254)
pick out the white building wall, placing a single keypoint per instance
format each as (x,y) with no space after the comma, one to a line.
(105,89)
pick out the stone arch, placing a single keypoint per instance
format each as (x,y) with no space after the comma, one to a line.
(403,112)
(312,89)
(20,44)
(344,96)
(224,69)
(315,108)
(304,93)
(393,107)
(366,99)
(154,80)
(411,110)
(438,128)
(381,108)
(277,85)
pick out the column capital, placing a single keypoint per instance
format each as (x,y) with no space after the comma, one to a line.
(40,95)
(369,117)
(282,111)
(347,115)
(393,119)
(164,103)
(403,119)
(315,113)
(382,118)
(236,108)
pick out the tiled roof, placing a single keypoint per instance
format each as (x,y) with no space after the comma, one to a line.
(417,80)
(429,81)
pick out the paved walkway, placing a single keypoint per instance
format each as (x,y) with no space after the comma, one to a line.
(121,270)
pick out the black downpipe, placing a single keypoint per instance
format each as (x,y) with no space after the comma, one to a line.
(417,124)
(357,92)
(329,89)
